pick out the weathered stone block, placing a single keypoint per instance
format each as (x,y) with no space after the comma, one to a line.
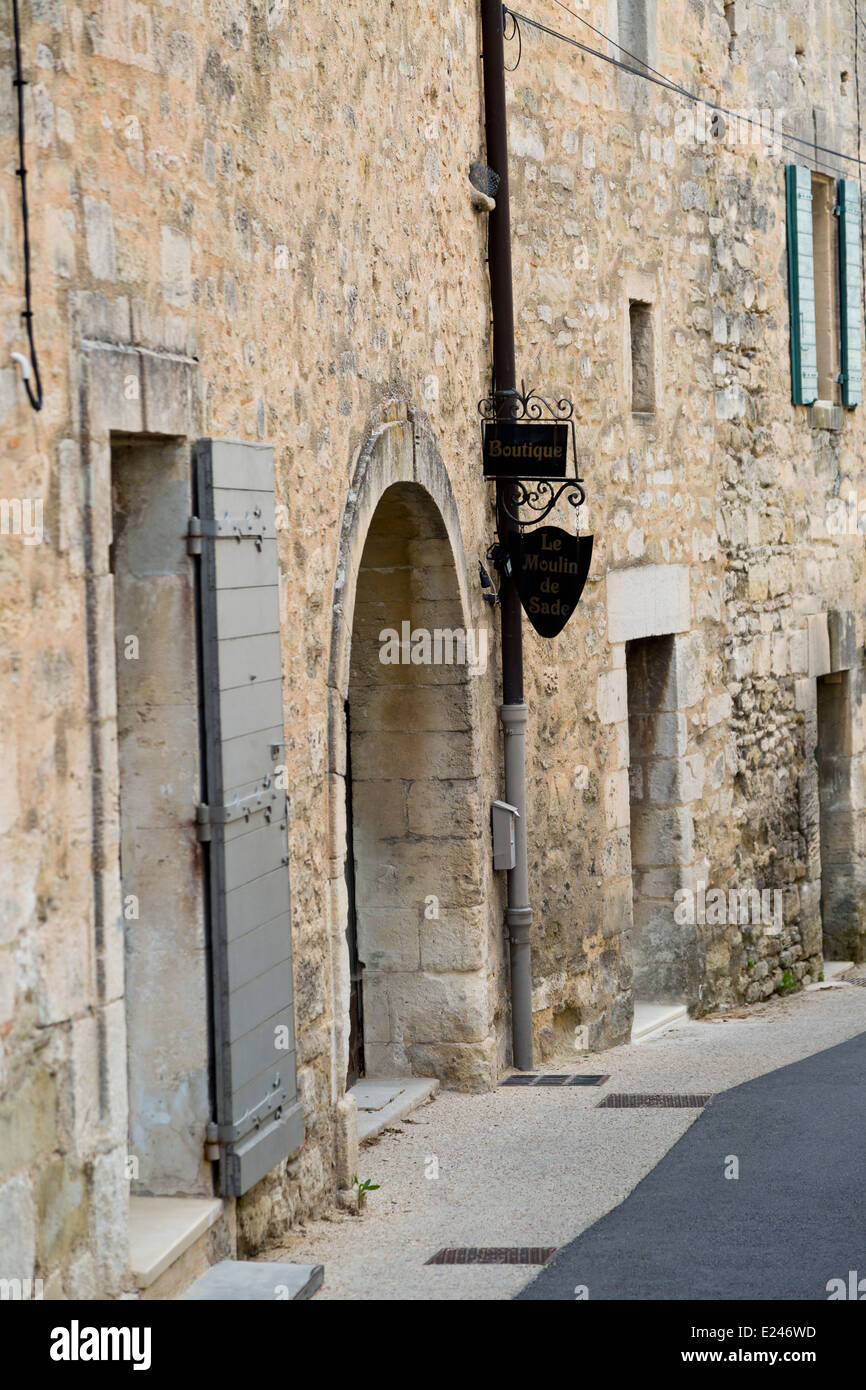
(842,633)
(617,907)
(612,698)
(17,1229)
(388,938)
(664,837)
(616,800)
(647,601)
(445,807)
(455,941)
(819,644)
(99,236)
(660,735)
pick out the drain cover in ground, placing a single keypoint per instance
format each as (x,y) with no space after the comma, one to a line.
(553,1079)
(493,1255)
(856,980)
(633,1102)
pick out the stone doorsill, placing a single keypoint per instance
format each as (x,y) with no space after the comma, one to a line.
(650,1019)
(381,1102)
(161,1229)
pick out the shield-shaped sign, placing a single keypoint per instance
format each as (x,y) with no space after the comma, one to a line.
(550,569)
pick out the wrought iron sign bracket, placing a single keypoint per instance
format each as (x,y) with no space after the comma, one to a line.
(541,496)
(524,428)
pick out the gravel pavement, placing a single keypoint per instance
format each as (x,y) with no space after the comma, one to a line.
(537,1167)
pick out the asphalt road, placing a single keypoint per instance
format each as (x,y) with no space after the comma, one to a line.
(793,1220)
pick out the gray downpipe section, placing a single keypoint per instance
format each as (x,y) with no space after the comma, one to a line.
(518,913)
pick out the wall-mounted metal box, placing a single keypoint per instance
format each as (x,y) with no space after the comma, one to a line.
(502,820)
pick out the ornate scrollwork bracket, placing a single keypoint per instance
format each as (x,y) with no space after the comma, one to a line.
(538,495)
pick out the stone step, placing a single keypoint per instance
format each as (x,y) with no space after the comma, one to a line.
(234,1281)
(650,1019)
(170,1241)
(383,1102)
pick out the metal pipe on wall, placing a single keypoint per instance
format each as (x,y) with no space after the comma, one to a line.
(518,913)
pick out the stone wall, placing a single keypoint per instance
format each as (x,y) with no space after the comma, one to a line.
(613,204)
(253,220)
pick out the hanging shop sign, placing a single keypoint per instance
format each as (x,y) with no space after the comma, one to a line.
(549,567)
(521,449)
(525,436)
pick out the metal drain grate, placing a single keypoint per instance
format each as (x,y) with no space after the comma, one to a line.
(632,1102)
(855,979)
(553,1079)
(493,1255)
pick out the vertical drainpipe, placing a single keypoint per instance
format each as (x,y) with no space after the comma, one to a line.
(518,913)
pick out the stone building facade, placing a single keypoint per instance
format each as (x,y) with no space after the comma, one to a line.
(251,221)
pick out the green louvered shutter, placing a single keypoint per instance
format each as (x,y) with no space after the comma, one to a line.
(801,285)
(849,292)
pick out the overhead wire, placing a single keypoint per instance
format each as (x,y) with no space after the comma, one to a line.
(658,79)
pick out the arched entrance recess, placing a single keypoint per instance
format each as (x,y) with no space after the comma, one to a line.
(410,890)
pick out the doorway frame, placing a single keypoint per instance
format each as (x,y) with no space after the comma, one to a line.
(399,447)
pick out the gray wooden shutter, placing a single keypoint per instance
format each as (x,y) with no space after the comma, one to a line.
(244,818)
(849,292)
(801,285)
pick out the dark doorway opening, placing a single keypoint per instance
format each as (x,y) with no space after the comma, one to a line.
(356,965)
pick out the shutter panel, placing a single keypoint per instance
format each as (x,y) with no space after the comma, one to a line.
(244,821)
(801,285)
(849,292)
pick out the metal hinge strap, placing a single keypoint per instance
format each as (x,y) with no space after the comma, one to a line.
(271,1107)
(250,526)
(263,799)
(212,1142)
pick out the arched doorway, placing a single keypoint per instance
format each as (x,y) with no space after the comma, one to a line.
(415,995)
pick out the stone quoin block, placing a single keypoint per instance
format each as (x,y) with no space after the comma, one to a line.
(612,698)
(99,235)
(819,644)
(842,633)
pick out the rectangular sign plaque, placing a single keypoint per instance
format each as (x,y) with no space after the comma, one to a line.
(517,449)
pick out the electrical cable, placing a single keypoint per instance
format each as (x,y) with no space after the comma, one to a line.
(19,83)
(683,91)
(650,74)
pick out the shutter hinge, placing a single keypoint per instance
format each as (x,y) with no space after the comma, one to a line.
(264,798)
(212,1142)
(249,527)
(270,1109)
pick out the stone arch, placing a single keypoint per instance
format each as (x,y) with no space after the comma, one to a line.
(417,816)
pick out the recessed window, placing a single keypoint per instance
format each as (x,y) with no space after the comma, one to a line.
(640,324)
(825,235)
